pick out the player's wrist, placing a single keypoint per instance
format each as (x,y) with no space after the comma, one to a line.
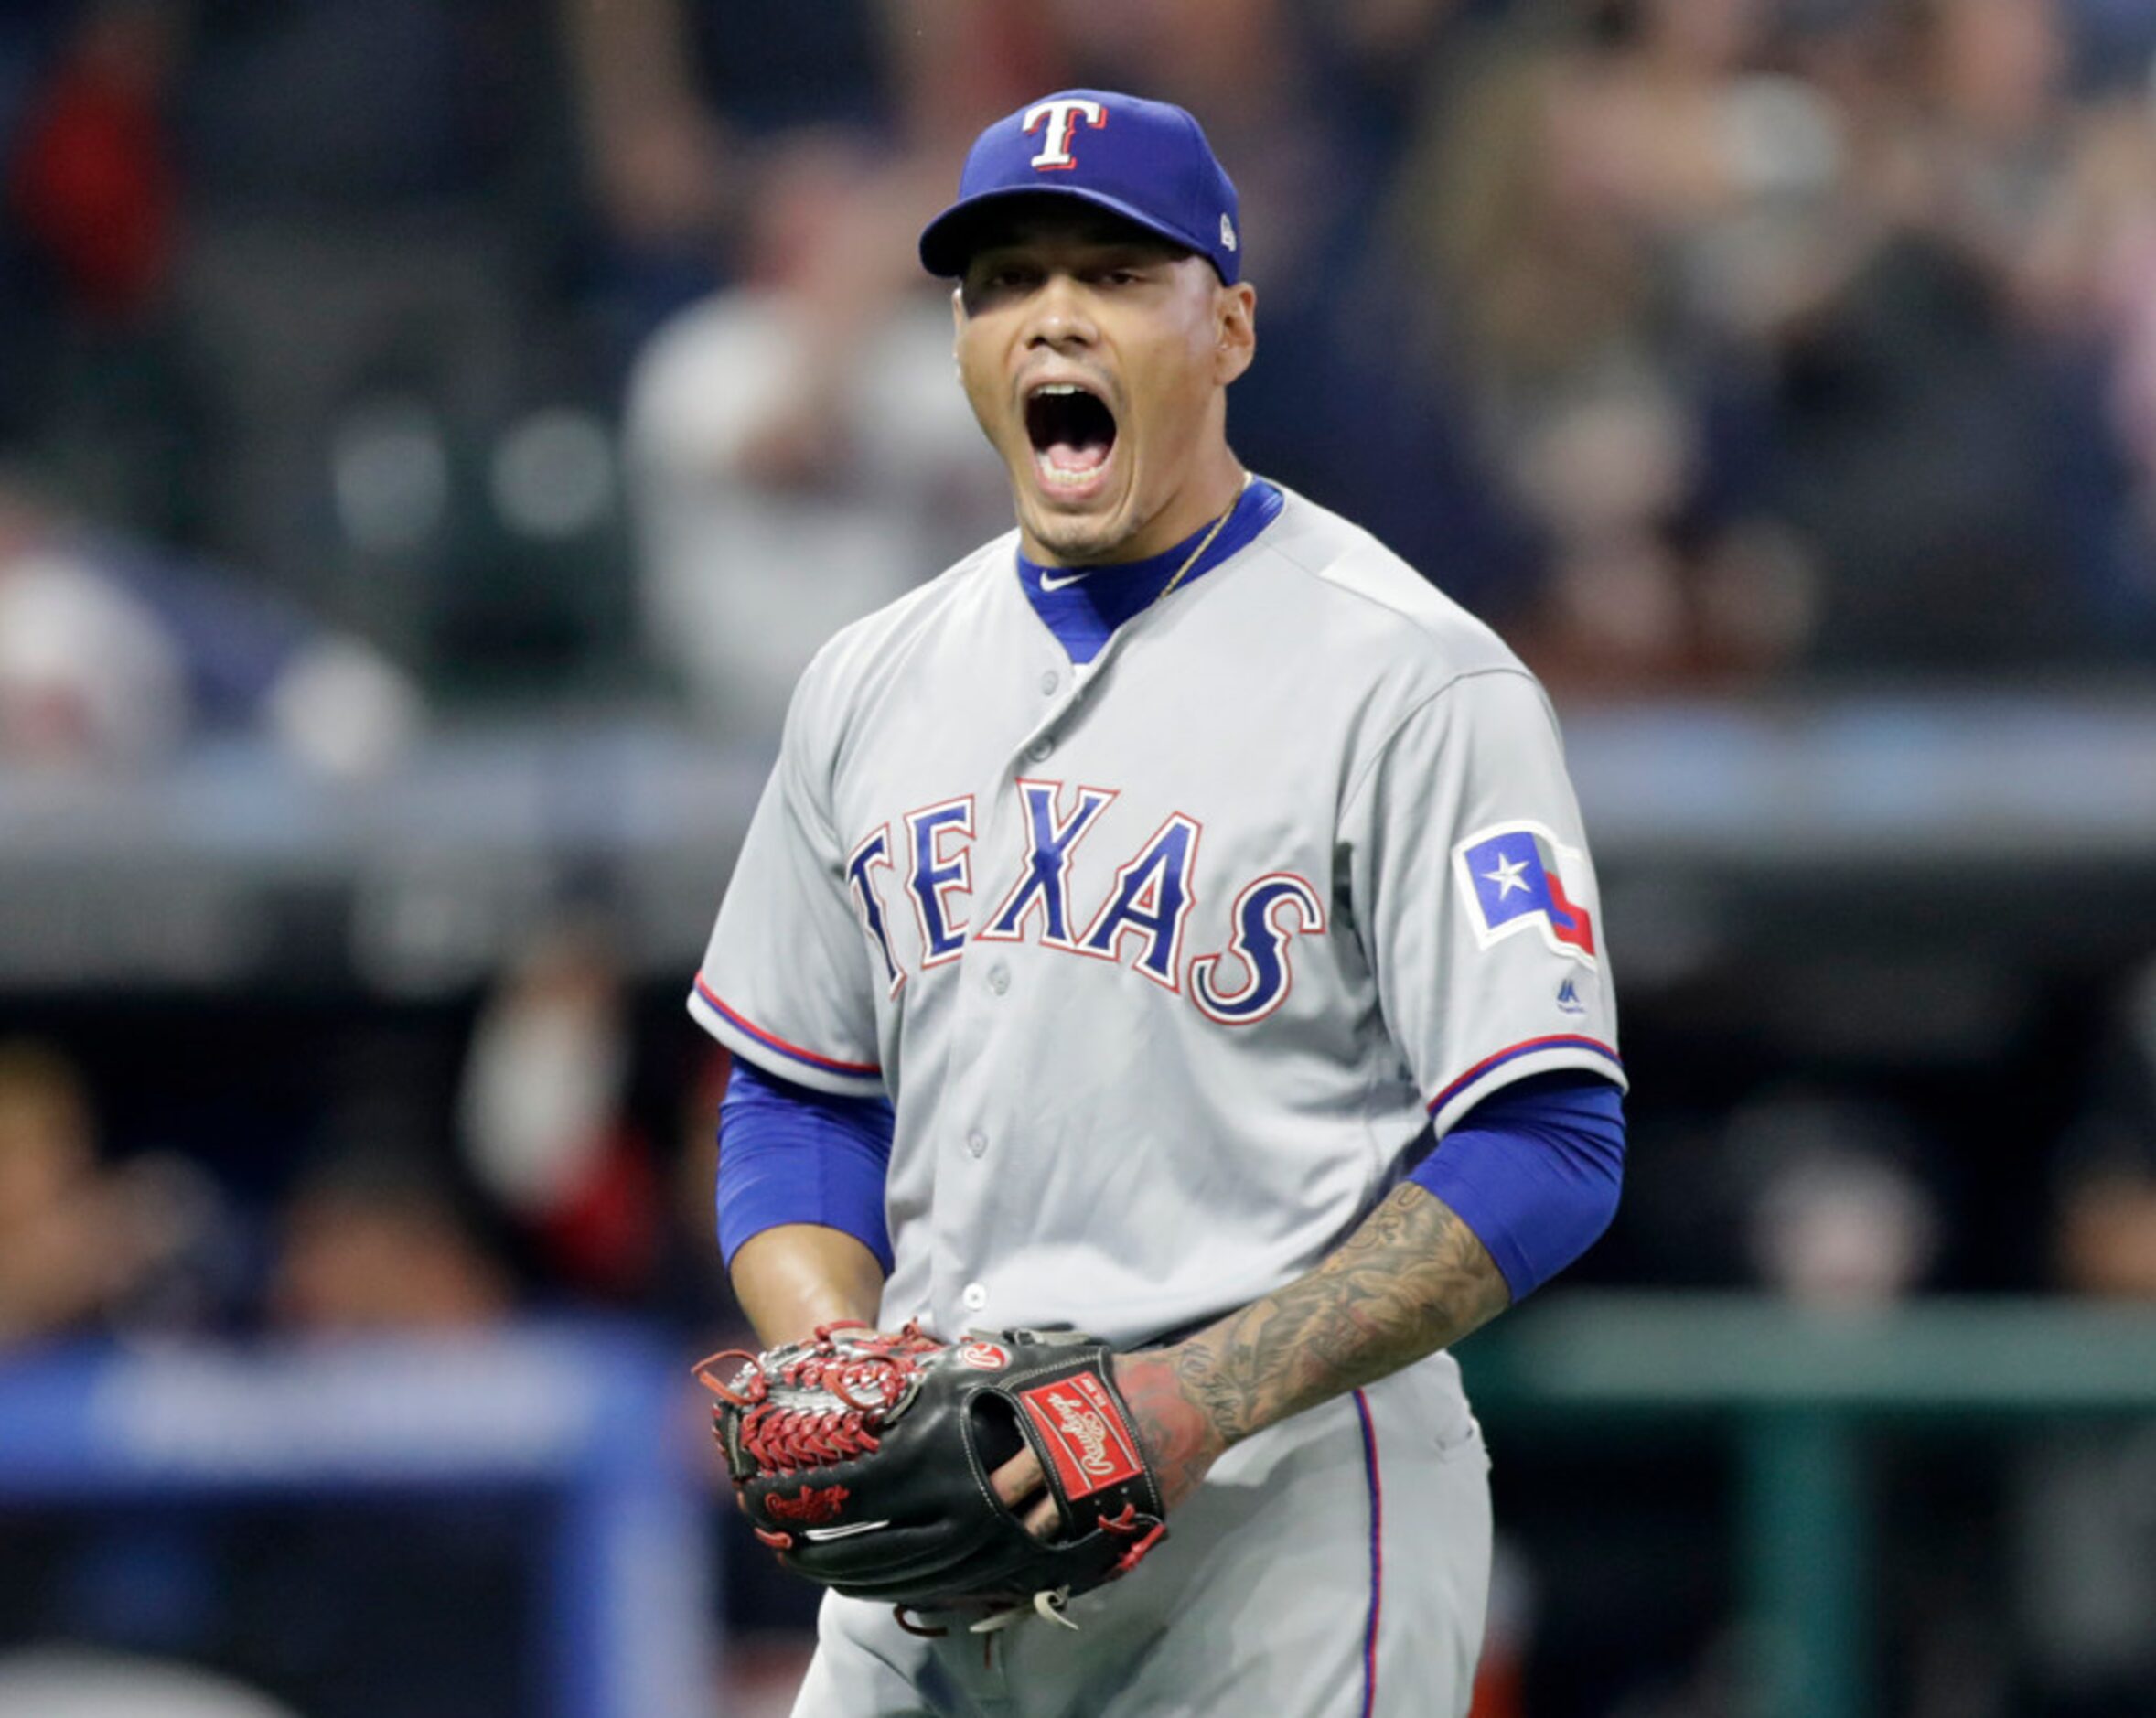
(1179,1432)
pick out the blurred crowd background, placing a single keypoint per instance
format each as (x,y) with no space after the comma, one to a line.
(400,399)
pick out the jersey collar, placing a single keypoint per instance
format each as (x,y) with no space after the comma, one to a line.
(1083,606)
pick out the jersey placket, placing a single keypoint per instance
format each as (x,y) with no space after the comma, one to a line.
(977,1150)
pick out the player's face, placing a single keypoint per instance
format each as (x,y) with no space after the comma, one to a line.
(1097,360)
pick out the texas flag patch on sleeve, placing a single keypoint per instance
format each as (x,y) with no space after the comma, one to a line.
(1519,876)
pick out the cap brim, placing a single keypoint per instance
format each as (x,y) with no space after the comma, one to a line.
(949,241)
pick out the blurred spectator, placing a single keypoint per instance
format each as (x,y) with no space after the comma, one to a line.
(84,1246)
(94,184)
(659,164)
(2086,1499)
(1841,1227)
(801,451)
(378,276)
(1924,435)
(71,1684)
(543,1111)
(1804,339)
(688,106)
(2089,282)
(374,1239)
(87,673)
(115,651)
(2106,1231)
(99,377)
(1570,199)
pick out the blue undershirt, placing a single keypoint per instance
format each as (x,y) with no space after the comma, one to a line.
(1534,1169)
(1084,606)
(790,1155)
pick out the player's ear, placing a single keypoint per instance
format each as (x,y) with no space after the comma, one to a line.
(1235,310)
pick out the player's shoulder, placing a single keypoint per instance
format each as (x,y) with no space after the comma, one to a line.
(1353,585)
(858,648)
(869,654)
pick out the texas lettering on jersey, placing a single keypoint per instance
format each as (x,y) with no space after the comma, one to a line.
(926,859)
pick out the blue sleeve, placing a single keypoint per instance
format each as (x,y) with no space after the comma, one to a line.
(1534,1170)
(787,1154)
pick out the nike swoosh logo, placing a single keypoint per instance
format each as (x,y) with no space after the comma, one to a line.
(1048,583)
(842,1533)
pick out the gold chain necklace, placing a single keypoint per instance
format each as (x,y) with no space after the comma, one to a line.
(1206,542)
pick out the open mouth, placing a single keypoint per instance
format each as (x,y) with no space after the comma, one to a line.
(1072,433)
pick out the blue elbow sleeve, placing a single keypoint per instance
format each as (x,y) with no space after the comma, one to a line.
(787,1154)
(1535,1171)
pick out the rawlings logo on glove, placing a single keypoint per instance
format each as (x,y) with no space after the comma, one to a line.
(811,1507)
(860,1430)
(1085,1432)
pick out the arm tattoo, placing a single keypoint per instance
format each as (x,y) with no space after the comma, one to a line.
(1410,1279)
(1178,1438)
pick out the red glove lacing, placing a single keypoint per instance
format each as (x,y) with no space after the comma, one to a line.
(869,1375)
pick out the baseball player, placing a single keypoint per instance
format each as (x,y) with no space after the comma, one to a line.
(1172,922)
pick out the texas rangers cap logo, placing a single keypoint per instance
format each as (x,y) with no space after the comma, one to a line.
(1145,161)
(1519,876)
(1055,118)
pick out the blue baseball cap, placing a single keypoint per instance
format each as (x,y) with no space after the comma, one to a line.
(1146,161)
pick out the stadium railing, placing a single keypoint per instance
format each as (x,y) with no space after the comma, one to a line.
(1800,1390)
(590,1420)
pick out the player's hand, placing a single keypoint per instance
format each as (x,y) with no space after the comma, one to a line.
(1024,1489)
(1178,1439)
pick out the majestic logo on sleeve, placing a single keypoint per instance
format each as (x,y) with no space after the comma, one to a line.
(1518,876)
(1056,121)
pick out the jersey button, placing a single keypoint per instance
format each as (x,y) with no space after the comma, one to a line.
(1049,681)
(1040,750)
(974,1297)
(977,1142)
(999,978)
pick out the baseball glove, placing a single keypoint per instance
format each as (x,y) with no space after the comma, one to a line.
(864,1460)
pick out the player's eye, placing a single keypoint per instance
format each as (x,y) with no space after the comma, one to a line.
(998,282)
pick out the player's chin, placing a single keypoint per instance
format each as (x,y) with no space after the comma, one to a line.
(1077,521)
(1076,537)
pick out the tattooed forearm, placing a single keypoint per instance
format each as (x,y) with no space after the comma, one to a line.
(1412,1278)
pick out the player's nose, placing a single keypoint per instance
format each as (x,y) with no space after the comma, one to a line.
(1058,315)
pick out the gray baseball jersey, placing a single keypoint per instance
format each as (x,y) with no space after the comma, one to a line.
(1165,959)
